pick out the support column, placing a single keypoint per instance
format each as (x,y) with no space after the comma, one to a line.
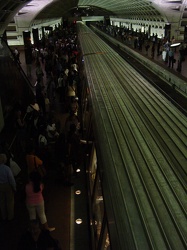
(28,51)
(168,31)
(35,37)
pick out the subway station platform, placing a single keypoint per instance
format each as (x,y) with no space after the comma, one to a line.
(153,59)
(59,199)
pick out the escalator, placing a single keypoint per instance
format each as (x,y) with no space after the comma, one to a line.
(15,90)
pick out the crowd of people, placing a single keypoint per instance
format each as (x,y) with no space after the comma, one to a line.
(39,134)
(41,138)
(153,45)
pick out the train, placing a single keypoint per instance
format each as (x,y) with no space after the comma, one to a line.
(136,166)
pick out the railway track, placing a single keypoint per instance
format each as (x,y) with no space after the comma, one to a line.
(144,138)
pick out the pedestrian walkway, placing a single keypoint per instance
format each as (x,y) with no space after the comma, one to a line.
(165,64)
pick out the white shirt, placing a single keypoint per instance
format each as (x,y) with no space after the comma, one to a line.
(32,107)
(42,141)
(51,130)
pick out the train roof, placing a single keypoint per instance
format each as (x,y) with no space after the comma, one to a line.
(141,146)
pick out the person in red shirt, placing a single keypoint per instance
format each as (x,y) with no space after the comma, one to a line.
(34,163)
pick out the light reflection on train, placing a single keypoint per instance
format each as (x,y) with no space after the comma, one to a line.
(97,214)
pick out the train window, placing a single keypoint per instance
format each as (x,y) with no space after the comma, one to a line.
(97,208)
(105,241)
(92,168)
(86,112)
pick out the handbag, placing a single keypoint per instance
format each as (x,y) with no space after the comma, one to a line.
(40,169)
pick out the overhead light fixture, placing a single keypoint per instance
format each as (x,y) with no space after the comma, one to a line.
(175,45)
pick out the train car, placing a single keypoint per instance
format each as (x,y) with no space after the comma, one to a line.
(136,167)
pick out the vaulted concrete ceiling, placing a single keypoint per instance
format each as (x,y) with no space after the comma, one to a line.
(172,11)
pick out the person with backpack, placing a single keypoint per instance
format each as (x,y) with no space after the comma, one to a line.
(61,88)
(17,55)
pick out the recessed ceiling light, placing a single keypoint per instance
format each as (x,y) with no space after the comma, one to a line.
(78,192)
(78,221)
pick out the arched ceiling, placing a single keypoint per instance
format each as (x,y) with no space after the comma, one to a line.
(26,11)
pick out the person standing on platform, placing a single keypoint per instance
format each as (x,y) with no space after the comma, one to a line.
(71,119)
(39,73)
(73,150)
(172,40)
(35,200)
(170,58)
(181,57)
(32,108)
(17,55)
(21,129)
(52,133)
(51,88)
(158,47)
(61,88)
(153,50)
(7,189)
(147,46)
(32,112)
(74,106)
(40,97)
(34,163)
